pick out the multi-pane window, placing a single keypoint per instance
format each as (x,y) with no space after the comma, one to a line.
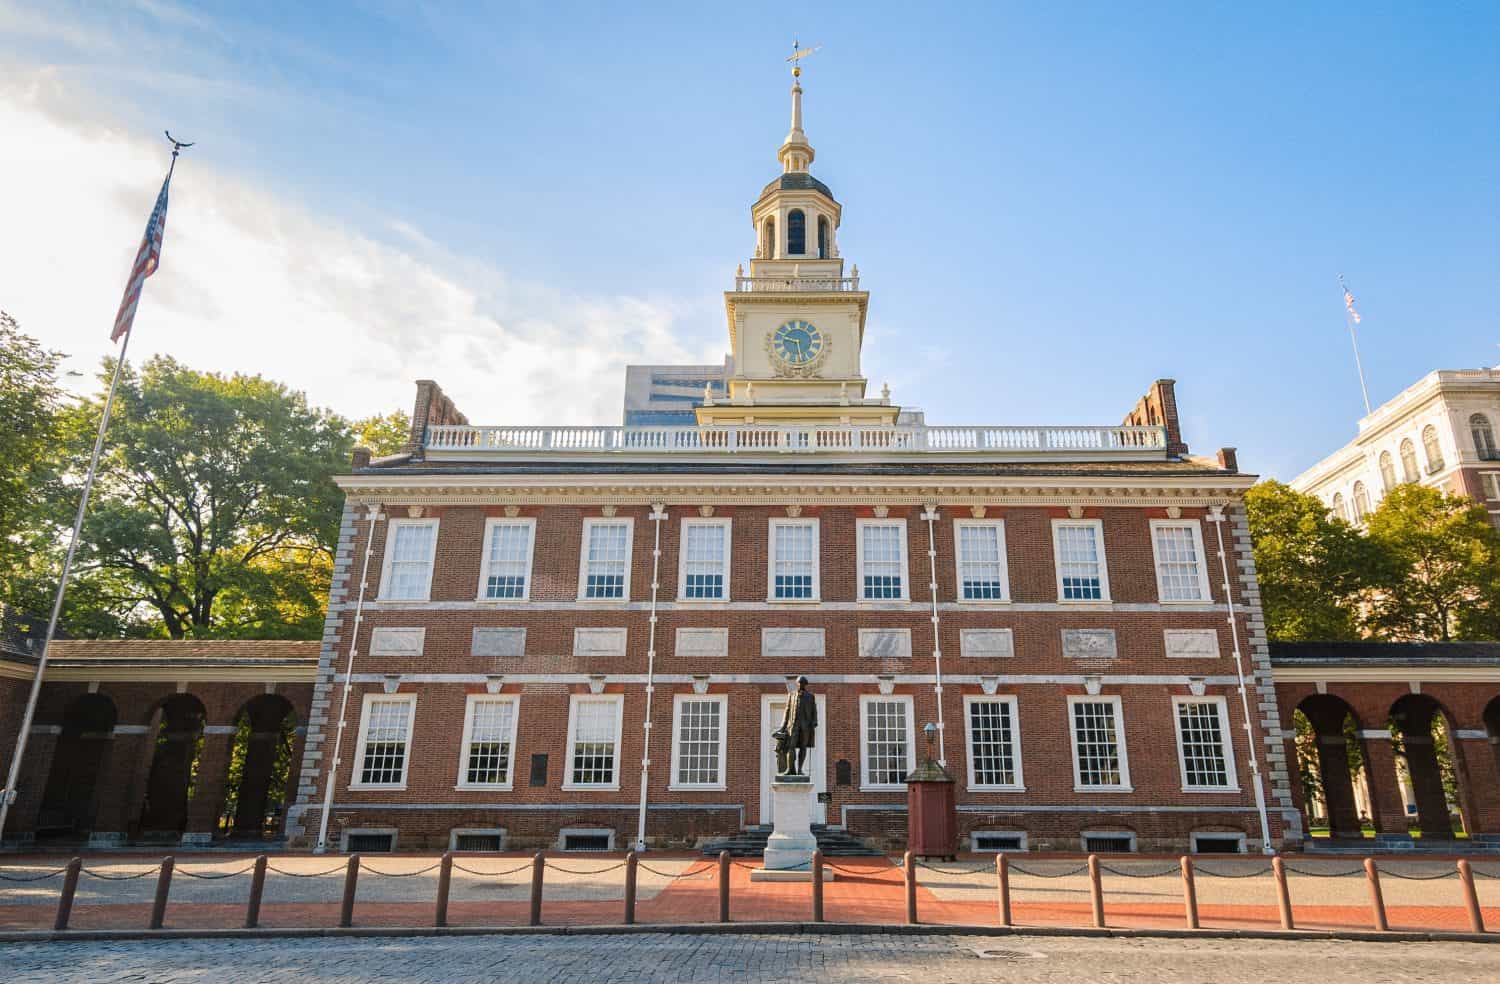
(410,544)
(594,740)
(1361,502)
(1484,437)
(1180,571)
(705,559)
(385,733)
(882,560)
(981,560)
(885,727)
(994,753)
(1491,484)
(1408,461)
(606,559)
(507,559)
(698,742)
(794,560)
(1098,747)
(489,730)
(1079,546)
(1432,449)
(1203,742)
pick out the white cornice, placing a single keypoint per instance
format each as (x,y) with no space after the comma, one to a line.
(1353,673)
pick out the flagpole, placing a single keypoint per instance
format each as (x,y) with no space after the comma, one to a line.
(9,793)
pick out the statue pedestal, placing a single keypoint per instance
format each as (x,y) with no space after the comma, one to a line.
(790,848)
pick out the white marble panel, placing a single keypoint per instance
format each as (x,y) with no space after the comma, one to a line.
(1089,643)
(499,642)
(885,643)
(1192,643)
(987,643)
(396,642)
(703,643)
(791,643)
(590,643)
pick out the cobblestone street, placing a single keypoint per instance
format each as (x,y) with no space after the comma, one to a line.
(768,959)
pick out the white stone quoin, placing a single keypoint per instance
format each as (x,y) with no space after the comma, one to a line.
(790,848)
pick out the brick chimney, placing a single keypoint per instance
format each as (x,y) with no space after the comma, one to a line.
(432,409)
(1158,408)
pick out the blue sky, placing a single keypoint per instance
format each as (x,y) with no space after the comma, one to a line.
(1051,205)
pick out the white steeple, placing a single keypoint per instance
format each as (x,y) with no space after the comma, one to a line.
(796,154)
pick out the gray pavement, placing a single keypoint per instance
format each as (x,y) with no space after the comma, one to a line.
(770,959)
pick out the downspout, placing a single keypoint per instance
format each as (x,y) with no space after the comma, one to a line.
(372,517)
(658,513)
(931,515)
(1216,516)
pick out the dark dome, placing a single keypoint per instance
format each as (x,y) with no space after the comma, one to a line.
(797,181)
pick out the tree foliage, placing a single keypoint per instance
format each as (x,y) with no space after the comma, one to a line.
(385,433)
(30,407)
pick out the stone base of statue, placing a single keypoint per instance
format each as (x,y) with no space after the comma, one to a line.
(790,848)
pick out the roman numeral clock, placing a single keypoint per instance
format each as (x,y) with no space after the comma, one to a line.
(797,348)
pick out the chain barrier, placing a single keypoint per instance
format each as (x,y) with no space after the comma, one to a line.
(839,869)
(1450,873)
(1125,873)
(1311,873)
(1482,873)
(491,874)
(741,864)
(1021,870)
(687,872)
(215,877)
(32,878)
(399,874)
(1198,868)
(104,877)
(960,872)
(305,874)
(571,871)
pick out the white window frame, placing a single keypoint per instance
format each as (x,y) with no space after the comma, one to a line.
(678,700)
(1019,786)
(1226,745)
(860,525)
(1196,528)
(390,555)
(573,701)
(1098,527)
(682,558)
(589,522)
(958,561)
(463,748)
(484,557)
(864,743)
(410,700)
(1078,786)
(775,524)
(1490,480)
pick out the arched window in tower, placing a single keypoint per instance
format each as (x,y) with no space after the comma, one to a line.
(1387,471)
(1433,451)
(1484,437)
(1408,461)
(1361,502)
(1338,507)
(822,237)
(768,239)
(796,233)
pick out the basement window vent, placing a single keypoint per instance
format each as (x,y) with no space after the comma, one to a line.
(980,843)
(1218,843)
(370,843)
(586,842)
(1109,843)
(477,840)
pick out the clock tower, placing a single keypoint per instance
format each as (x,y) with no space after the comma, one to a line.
(796,322)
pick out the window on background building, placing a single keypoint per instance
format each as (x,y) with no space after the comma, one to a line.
(1432,449)
(1361,502)
(822,237)
(698,738)
(1181,574)
(794,560)
(994,752)
(507,559)
(882,560)
(1098,747)
(981,560)
(594,738)
(1079,548)
(410,545)
(1484,437)
(1387,471)
(1409,471)
(385,729)
(606,558)
(489,741)
(885,732)
(1203,744)
(1491,484)
(1339,509)
(705,560)
(796,233)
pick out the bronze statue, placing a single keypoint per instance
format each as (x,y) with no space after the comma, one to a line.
(798,728)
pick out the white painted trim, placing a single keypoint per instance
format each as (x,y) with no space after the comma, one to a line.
(410,700)
(677,701)
(817,561)
(589,522)
(1196,528)
(389,554)
(1119,718)
(860,525)
(1385,674)
(490,525)
(1007,679)
(958,563)
(463,745)
(682,556)
(905,701)
(1098,527)
(573,701)
(919,607)
(1019,786)
(1226,744)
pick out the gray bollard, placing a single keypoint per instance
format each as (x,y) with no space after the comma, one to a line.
(351,883)
(163,888)
(445,883)
(69,889)
(257,889)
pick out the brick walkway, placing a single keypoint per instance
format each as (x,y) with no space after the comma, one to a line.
(398,890)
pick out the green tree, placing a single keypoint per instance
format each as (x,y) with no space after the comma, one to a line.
(384,433)
(1438,576)
(30,408)
(1312,566)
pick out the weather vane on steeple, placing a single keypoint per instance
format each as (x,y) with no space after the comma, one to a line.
(799,53)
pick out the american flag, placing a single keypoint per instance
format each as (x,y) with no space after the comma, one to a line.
(146,261)
(1348,299)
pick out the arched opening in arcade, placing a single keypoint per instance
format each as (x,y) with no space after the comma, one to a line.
(1492,728)
(177,725)
(70,799)
(1424,743)
(1331,764)
(259,779)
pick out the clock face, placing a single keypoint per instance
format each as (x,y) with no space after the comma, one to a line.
(797,343)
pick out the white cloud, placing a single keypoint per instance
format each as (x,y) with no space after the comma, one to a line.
(256,284)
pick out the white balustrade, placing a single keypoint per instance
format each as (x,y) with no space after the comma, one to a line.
(794,284)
